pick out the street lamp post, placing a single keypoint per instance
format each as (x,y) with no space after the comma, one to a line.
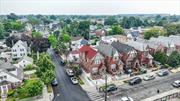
(105,87)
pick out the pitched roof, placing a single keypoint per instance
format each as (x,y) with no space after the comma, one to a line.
(122,47)
(21,43)
(138,45)
(106,49)
(89,51)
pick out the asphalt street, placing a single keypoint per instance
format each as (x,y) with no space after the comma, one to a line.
(65,89)
(146,88)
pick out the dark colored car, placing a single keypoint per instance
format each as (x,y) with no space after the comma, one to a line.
(135,80)
(63,63)
(111,88)
(127,70)
(54,82)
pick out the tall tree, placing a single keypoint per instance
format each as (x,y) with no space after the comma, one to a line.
(161,57)
(154,32)
(115,30)
(174,59)
(45,69)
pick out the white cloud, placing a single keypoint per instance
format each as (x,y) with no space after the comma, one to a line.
(89,6)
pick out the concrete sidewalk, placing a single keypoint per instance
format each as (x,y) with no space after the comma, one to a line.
(46,96)
(164,95)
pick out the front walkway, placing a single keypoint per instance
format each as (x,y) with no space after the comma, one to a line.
(46,96)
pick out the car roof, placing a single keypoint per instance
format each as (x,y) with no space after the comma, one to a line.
(177,81)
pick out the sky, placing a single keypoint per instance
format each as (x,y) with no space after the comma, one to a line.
(89,7)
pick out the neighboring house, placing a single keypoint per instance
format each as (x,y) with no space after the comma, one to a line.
(108,39)
(20,49)
(128,55)
(142,52)
(78,42)
(24,62)
(121,38)
(91,61)
(73,56)
(112,61)
(176,40)
(10,76)
(167,45)
(100,32)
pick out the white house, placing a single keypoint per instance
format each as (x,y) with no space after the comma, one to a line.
(10,76)
(20,49)
(108,39)
(24,62)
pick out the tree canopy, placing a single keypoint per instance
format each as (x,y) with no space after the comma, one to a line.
(154,32)
(174,59)
(45,69)
(161,57)
(115,30)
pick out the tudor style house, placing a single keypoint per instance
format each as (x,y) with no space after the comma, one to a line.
(128,55)
(142,52)
(92,61)
(20,49)
(112,62)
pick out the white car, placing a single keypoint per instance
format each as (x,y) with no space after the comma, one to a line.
(148,77)
(176,83)
(74,80)
(69,72)
(126,99)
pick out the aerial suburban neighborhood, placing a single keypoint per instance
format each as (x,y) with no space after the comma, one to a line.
(96,57)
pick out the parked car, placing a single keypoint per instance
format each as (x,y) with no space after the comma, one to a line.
(127,70)
(74,80)
(135,80)
(69,72)
(176,84)
(110,88)
(143,70)
(148,77)
(63,63)
(126,99)
(163,73)
(54,82)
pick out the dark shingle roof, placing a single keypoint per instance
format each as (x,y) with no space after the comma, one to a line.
(106,49)
(122,47)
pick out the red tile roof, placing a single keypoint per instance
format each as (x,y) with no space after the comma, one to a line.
(89,51)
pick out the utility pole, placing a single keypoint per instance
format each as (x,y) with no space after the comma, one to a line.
(105,86)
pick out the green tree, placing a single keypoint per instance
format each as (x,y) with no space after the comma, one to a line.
(174,59)
(172,29)
(110,21)
(45,69)
(1,31)
(116,30)
(53,40)
(154,32)
(161,57)
(66,38)
(36,34)
(33,87)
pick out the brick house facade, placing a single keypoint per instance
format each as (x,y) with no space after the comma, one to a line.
(92,61)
